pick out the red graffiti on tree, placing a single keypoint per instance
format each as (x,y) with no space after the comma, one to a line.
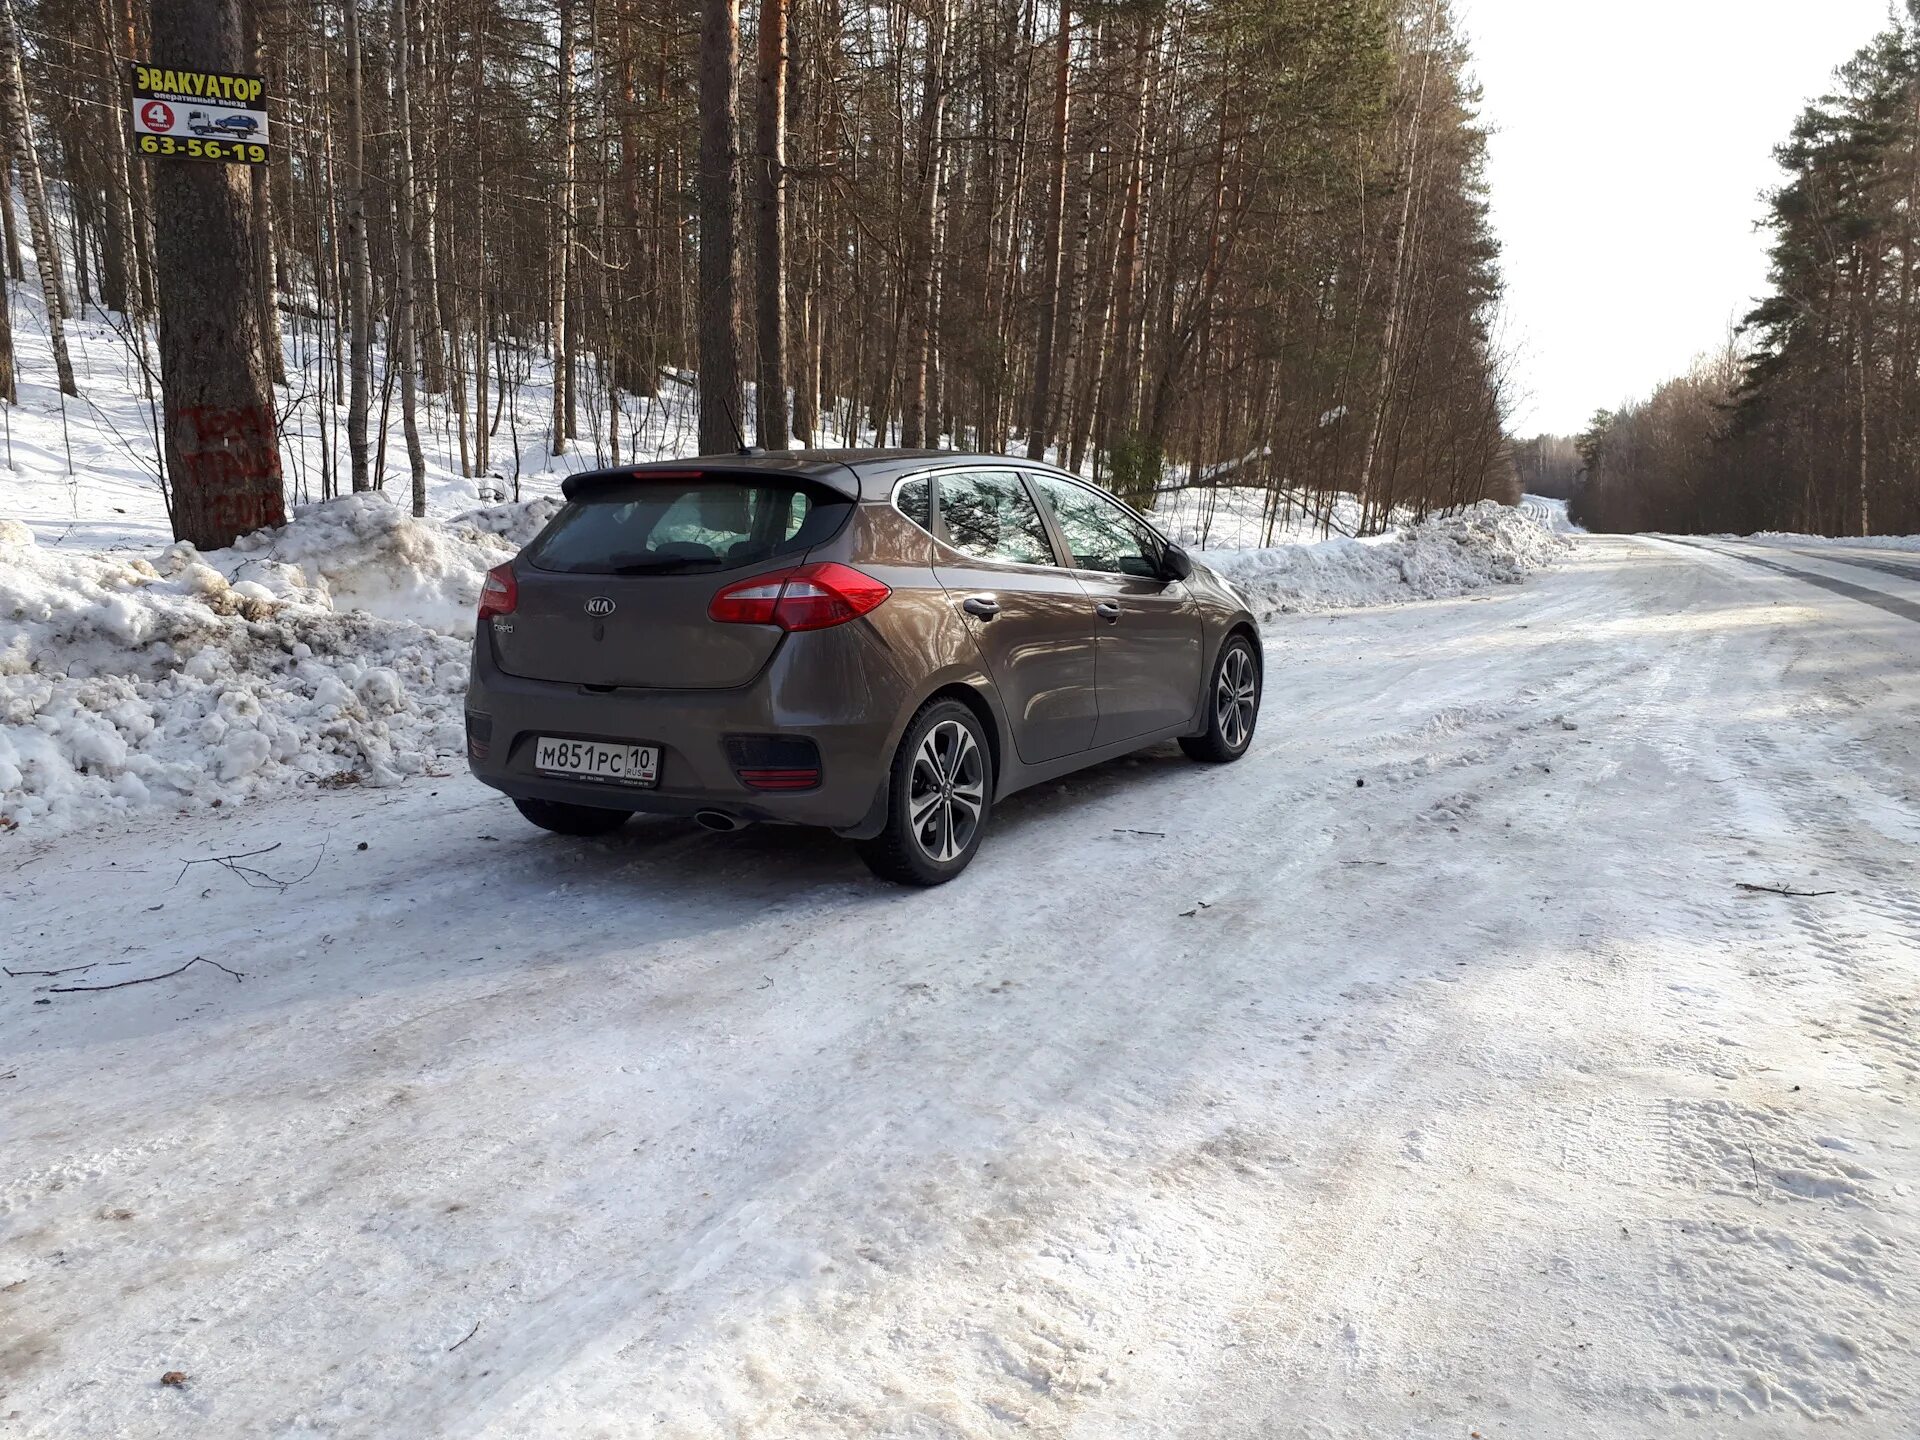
(227,465)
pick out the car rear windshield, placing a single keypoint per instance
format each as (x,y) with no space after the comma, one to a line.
(677,526)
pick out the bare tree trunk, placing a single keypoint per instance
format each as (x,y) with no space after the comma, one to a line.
(46,253)
(140,195)
(259,177)
(1074,266)
(406,303)
(16,264)
(9,391)
(719,227)
(121,289)
(1863,355)
(482,318)
(1037,411)
(1402,253)
(633,342)
(359,265)
(563,243)
(430,322)
(220,433)
(920,276)
(773,424)
(1126,267)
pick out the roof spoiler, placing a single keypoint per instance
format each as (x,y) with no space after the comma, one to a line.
(832,475)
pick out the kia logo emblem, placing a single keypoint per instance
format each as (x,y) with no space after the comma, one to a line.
(599,606)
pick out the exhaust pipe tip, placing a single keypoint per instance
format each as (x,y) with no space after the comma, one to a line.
(718,820)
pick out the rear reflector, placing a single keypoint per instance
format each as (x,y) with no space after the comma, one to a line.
(479,734)
(774,762)
(780,779)
(499,592)
(808,597)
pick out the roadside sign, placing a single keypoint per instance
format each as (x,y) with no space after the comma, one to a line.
(199,115)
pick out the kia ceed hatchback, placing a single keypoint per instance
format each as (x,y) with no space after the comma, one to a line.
(883,643)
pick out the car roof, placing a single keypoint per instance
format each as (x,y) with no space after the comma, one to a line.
(857,474)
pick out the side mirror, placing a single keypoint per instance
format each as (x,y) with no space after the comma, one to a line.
(1175,564)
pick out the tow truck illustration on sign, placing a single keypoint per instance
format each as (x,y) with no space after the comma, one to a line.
(230,127)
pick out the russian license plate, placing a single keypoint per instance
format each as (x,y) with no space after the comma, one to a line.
(594,760)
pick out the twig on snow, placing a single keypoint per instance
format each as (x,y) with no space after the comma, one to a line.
(122,984)
(63,970)
(257,879)
(1156,834)
(1780,890)
(464,1338)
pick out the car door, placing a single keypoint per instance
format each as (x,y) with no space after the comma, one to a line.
(1025,609)
(1150,636)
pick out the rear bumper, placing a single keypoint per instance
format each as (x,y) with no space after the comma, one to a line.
(836,688)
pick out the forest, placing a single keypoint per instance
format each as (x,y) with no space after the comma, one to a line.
(1163,242)
(1547,465)
(1808,420)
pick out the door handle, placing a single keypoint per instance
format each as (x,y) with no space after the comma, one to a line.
(1109,611)
(983,607)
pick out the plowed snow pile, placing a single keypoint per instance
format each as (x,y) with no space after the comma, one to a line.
(330,651)
(334,651)
(1486,544)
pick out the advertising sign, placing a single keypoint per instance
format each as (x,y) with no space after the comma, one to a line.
(199,115)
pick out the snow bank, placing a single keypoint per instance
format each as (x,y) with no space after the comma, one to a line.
(1856,542)
(1487,544)
(131,683)
(362,552)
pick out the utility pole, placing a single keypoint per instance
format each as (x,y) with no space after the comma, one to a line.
(222,446)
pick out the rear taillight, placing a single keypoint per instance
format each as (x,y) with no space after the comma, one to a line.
(499,592)
(809,597)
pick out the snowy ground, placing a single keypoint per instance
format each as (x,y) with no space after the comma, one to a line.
(1473,1099)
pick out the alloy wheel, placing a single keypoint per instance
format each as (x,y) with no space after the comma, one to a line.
(1236,697)
(946,791)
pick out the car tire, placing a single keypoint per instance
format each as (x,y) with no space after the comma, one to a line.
(564,819)
(1233,704)
(939,796)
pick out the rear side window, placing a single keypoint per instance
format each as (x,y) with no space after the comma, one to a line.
(915,501)
(680,526)
(989,515)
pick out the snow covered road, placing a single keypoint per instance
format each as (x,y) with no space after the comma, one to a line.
(1426,1074)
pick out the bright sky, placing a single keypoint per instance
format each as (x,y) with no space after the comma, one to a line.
(1631,143)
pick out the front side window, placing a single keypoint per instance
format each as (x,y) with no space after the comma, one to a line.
(989,515)
(1100,534)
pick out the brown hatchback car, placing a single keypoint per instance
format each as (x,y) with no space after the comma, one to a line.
(884,643)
